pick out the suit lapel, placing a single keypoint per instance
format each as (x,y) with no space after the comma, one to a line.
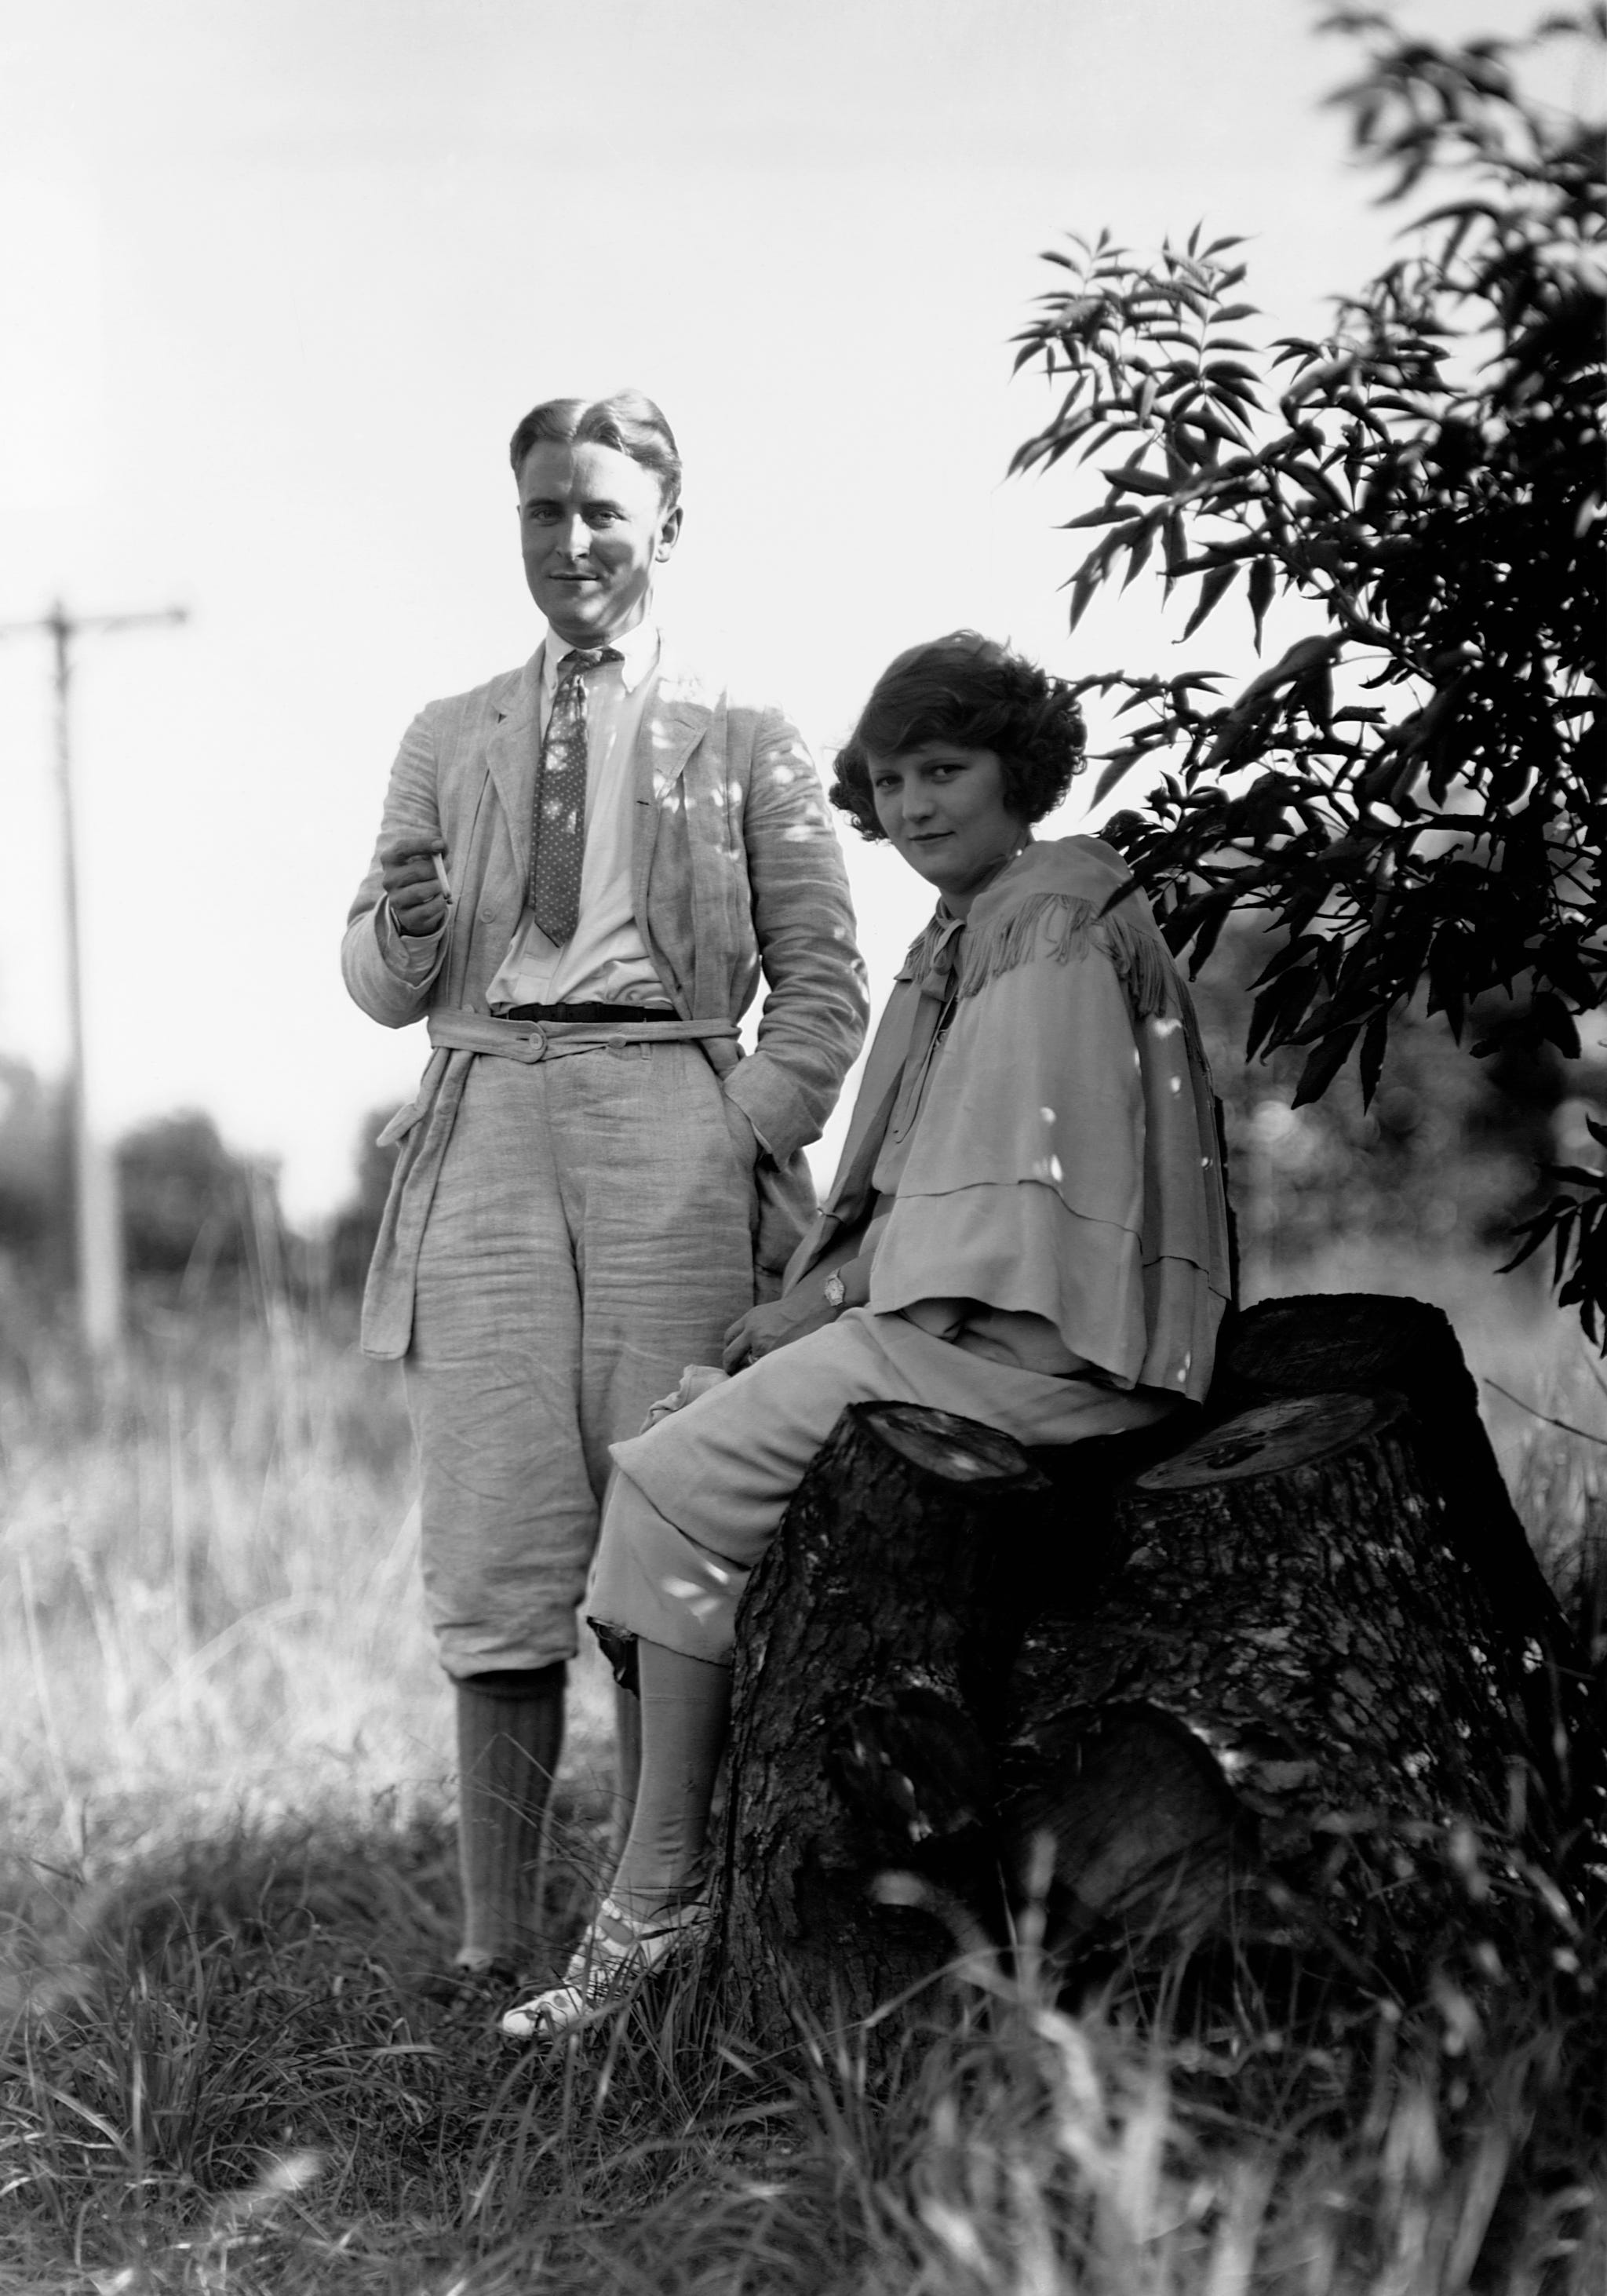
(677,716)
(511,757)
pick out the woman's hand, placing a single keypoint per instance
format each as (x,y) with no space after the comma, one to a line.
(777,1323)
(414,885)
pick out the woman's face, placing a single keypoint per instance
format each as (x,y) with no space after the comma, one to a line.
(943,808)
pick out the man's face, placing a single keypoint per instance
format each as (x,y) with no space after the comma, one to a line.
(594,526)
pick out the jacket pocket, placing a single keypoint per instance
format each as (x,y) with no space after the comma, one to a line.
(744,1140)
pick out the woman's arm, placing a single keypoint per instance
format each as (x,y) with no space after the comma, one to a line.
(802,1309)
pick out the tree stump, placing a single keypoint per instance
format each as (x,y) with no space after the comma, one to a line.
(1363,1344)
(868,1691)
(1367,1344)
(1292,1675)
(1295,1676)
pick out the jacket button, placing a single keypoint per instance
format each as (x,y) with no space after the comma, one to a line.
(487,915)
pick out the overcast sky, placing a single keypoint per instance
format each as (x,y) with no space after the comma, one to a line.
(278,276)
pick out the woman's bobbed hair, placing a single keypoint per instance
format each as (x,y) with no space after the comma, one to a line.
(973,692)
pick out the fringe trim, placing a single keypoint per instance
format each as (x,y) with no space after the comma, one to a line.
(1064,925)
(1061,926)
(931,957)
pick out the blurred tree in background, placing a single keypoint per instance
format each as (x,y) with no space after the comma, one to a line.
(1439,1164)
(1410,798)
(193,1208)
(198,1216)
(33,1146)
(357,1224)
(195,1212)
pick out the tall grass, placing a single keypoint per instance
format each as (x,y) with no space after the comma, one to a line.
(208,1567)
(223,1772)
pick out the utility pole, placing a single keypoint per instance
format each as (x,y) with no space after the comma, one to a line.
(96,1214)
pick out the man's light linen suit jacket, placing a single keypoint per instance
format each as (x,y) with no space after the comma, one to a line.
(736,866)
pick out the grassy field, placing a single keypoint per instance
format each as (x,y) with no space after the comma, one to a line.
(228,1880)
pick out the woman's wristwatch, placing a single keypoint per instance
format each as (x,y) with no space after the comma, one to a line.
(836,1292)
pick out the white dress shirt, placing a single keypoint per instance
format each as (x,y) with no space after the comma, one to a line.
(605,962)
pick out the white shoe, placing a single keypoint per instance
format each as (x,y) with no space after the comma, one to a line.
(616,1951)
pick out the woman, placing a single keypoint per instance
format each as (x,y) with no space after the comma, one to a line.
(1027,1228)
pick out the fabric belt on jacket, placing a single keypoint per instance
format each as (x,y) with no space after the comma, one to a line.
(458,1031)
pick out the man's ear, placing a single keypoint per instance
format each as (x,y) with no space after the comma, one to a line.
(669,533)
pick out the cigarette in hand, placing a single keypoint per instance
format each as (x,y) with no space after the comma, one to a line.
(442,878)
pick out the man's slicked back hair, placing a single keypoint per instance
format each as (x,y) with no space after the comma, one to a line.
(627,421)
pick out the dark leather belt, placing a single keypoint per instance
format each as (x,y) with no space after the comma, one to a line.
(635,1015)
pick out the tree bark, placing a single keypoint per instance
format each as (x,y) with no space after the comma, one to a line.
(1366,1344)
(1363,1343)
(867,1694)
(1290,1601)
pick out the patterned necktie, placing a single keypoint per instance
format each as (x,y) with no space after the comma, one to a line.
(558,823)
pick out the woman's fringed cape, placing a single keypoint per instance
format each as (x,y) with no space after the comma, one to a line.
(1065,1161)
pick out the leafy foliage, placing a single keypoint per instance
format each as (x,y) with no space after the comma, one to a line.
(356,1225)
(1439,1164)
(32,1130)
(1411,794)
(191,1202)
(1576,1226)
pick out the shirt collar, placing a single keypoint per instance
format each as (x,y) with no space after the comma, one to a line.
(637,649)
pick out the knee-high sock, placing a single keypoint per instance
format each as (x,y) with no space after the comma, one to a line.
(510,1734)
(685,1712)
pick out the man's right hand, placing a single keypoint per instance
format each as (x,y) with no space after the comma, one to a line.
(412,887)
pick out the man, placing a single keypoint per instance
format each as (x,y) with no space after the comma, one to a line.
(582,867)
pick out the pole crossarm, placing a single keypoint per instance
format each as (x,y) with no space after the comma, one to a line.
(76,625)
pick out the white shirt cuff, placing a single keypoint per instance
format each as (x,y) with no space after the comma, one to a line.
(412,955)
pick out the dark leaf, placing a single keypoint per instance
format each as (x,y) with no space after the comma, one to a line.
(1217,910)
(1261,580)
(1109,515)
(1136,481)
(1553,1023)
(1322,1065)
(1316,694)
(1376,1040)
(1279,1009)
(1121,762)
(1213,588)
(1138,551)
